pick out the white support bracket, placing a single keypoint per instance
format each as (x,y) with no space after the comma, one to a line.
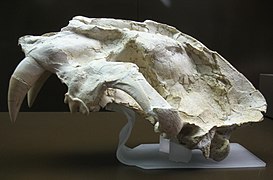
(168,154)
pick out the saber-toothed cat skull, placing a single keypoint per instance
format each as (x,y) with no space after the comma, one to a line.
(187,91)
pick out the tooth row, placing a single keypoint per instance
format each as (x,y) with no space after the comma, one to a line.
(76,104)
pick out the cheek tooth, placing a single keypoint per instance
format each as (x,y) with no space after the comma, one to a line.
(94,108)
(156,127)
(84,110)
(73,106)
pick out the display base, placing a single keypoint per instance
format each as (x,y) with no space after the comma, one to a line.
(148,156)
(163,155)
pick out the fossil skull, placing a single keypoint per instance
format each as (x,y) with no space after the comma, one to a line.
(185,90)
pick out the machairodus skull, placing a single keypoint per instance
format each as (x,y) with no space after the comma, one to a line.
(184,89)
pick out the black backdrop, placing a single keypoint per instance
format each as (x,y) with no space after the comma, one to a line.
(240,30)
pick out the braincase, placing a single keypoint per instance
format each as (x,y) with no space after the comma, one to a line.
(96,38)
(148,44)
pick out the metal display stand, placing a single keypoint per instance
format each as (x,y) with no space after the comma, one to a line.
(168,154)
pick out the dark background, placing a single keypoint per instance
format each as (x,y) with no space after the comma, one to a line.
(241,31)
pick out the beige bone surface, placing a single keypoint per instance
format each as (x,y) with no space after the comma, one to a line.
(186,90)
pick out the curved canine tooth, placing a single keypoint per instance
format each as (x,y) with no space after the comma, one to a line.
(16,94)
(22,79)
(35,89)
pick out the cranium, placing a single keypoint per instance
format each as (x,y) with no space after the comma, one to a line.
(185,90)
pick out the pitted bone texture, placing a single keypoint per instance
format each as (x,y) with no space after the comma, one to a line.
(186,90)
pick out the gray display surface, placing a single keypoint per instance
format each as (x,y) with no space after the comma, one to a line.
(147,156)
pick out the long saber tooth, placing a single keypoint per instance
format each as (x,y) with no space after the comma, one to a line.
(16,94)
(22,79)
